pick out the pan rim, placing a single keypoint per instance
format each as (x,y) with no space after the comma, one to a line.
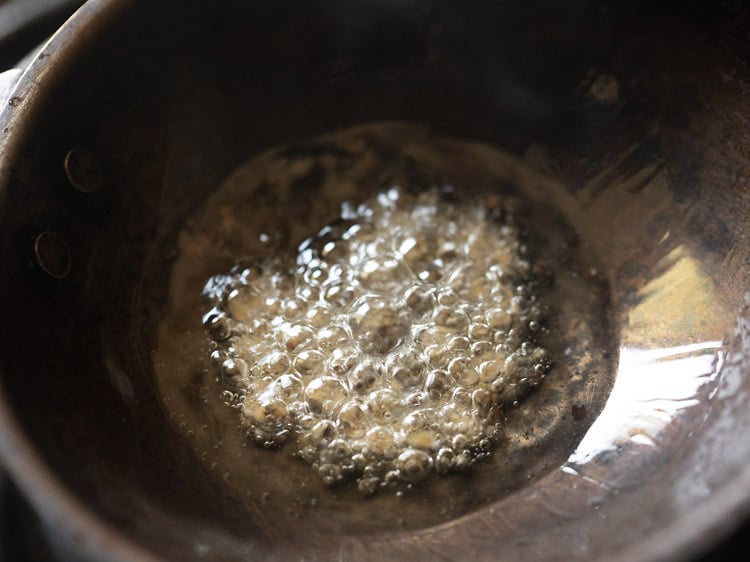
(693,532)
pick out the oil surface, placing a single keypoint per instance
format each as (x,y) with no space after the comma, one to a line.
(282,197)
(389,344)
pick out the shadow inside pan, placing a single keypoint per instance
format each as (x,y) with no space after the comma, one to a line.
(626,131)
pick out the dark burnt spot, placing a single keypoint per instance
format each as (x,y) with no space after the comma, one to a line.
(310,182)
(578,411)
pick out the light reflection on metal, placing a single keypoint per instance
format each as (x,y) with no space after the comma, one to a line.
(652,387)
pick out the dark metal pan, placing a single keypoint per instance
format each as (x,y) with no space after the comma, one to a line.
(634,118)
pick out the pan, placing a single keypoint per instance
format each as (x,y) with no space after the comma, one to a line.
(619,128)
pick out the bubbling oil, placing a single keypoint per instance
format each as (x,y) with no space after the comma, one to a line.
(327,335)
(392,344)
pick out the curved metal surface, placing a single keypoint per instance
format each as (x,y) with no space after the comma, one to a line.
(77,533)
(8,81)
(22,23)
(192,114)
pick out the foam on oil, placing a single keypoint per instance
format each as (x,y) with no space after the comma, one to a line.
(329,335)
(391,343)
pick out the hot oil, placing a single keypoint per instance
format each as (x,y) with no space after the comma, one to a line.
(259,217)
(390,346)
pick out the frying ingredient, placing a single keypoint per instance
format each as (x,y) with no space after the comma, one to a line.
(389,344)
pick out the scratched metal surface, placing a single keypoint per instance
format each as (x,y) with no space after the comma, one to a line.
(681,266)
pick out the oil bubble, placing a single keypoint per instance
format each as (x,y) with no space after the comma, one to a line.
(382,348)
